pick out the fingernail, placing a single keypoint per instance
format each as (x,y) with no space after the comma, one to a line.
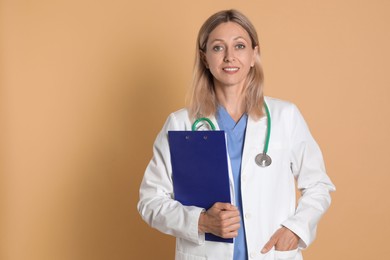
(263,250)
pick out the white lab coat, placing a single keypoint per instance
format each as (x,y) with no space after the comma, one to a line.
(268,194)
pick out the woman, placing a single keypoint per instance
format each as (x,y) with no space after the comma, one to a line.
(263,219)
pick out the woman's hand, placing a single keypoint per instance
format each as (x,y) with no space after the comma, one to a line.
(222,219)
(283,240)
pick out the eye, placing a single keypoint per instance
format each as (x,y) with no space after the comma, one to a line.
(240,46)
(217,48)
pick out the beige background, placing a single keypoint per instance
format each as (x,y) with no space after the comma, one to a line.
(86,85)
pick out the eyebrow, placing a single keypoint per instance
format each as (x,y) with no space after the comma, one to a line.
(236,38)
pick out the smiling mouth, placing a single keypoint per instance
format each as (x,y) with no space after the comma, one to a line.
(231,69)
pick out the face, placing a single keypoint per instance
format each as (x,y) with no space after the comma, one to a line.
(229,55)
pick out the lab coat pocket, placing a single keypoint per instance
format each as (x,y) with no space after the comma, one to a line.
(184,256)
(287,255)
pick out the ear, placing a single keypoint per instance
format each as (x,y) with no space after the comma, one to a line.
(203,58)
(256,55)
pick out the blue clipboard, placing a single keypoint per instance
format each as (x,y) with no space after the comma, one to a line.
(200,170)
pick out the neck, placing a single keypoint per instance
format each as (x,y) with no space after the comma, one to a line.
(232,99)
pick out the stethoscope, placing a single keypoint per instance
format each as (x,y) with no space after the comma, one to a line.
(262,159)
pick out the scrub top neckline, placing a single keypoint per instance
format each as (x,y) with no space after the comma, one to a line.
(229,123)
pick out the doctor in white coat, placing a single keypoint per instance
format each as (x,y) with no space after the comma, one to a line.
(263,218)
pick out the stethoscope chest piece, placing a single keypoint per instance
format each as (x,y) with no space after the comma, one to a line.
(263,160)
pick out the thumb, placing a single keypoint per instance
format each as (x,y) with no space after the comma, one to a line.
(224,206)
(268,246)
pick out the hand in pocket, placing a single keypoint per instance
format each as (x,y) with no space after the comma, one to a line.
(283,240)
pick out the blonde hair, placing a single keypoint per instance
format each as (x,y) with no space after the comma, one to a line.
(201,99)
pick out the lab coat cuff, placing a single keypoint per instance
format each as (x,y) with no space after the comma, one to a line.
(199,237)
(304,240)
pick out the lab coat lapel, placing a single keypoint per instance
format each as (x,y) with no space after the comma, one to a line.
(254,140)
(215,122)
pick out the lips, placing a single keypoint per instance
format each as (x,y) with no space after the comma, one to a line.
(231,69)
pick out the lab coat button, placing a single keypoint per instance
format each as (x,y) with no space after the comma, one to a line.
(243,178)
(247,215)
(252,255)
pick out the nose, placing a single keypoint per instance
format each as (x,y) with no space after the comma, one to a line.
(229,57)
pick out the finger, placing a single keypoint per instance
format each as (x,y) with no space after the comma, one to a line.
(224,206)
(229,214)
(222,214)
(231,231)
(234,228)
(287,241)
(230,223)
(268,246)
(232,234)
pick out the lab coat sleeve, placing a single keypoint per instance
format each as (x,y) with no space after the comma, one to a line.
(308,167)
(156,204)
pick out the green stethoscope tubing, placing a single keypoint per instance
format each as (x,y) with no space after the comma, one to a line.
(197,121)
(262,159)
(268,136)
